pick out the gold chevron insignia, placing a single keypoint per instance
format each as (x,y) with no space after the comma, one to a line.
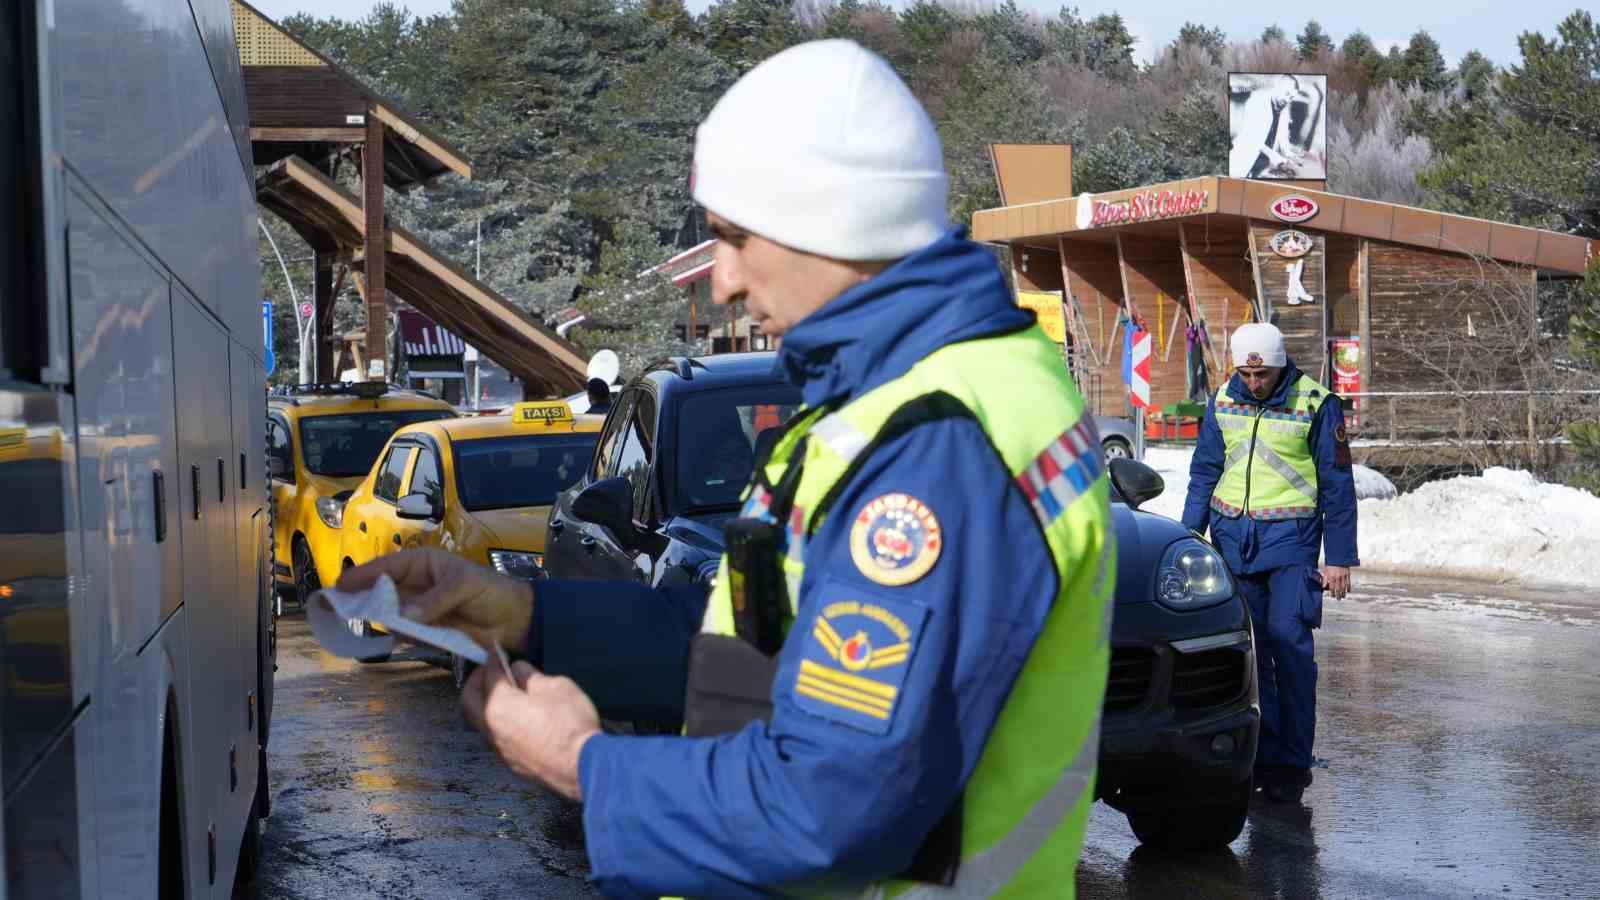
(827,637)
(862,695)
(876,658)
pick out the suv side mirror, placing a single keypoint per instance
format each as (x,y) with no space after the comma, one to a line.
(1135,481)
(609,504)
(417,505)
(279,468)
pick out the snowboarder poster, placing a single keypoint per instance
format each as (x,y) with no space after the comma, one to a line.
(1278,126)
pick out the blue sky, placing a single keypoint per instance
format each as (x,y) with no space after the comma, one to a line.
(1490,26)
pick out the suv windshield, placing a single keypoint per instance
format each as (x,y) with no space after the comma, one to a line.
(716,440)
(506,472)
(346,445)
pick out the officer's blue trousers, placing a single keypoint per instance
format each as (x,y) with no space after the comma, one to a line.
(1285,603)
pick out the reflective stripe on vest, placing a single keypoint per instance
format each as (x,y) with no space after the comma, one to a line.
(1268,472)
(1026,804)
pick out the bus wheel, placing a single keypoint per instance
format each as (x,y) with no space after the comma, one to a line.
(246,878)
(170,880)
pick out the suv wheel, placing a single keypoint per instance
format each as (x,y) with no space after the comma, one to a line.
(1194,827)
(1116,448)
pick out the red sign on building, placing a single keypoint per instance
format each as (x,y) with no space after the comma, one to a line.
(1294,208)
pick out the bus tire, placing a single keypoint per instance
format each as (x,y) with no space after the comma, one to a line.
(247,875)
(171,876)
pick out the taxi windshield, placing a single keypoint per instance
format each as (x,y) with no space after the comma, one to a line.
(346,445)
(717,433)
(521,470)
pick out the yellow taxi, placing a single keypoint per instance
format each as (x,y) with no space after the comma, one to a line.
(33,566)
(321,442)
(481,487)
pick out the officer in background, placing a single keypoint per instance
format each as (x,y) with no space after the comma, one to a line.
(1271,477)
(599,396)
(918,585)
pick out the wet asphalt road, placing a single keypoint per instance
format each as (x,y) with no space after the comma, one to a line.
(1460,725)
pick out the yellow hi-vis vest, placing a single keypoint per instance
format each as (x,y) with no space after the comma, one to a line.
(1268,471)
(1026,805)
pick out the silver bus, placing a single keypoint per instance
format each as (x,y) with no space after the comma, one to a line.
(135,641)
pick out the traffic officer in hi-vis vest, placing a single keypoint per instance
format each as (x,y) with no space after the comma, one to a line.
(1271,477)
(895,686)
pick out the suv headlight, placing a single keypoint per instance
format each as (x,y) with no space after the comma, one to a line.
(707,574)
(331,511)
(1191,576)
(517,563)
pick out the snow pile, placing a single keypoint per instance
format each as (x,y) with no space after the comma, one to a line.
(1503,525)
(1173,465)
(1370,484)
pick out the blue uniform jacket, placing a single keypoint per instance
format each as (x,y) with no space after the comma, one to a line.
(824,797)
(1251,546)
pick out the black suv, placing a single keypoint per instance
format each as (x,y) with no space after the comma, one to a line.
(1181,719)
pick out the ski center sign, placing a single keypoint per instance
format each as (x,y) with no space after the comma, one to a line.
(1146,207)
(1294,208)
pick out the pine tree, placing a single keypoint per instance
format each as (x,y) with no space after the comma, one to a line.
(742,33)
(1475,76)
(630,312)
(1313,42)
(1273,34)
(1423,65)
(1212,40)
(671,15)
(1011,35)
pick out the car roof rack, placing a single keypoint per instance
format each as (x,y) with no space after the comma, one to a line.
(366,390)
(682,366)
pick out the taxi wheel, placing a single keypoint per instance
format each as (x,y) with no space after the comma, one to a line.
(306,581)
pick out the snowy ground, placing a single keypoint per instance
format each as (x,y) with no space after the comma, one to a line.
(1503,525)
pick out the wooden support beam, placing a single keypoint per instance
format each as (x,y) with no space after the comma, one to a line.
(382,114)
(374,232)
(323,294)
(308,135)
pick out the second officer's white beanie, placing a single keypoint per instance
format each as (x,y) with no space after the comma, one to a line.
(1259,344)
(823,148)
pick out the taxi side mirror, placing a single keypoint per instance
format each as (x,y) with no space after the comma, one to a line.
(279,468)
(609,504)
(1135,481)
(417,505)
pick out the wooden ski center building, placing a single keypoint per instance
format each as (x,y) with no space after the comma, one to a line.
(1348,280)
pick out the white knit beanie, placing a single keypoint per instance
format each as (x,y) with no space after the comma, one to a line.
(822,148)
(1259,344)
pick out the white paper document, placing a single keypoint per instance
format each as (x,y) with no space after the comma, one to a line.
(331,611)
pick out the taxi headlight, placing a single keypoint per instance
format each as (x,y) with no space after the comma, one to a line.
(1191,576)
(517,563)
(331,511)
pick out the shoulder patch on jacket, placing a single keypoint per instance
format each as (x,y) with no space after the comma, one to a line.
(895,539)
(858,648)
(1341,448)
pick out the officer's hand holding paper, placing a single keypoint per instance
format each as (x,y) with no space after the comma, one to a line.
(331,608)
(433,588)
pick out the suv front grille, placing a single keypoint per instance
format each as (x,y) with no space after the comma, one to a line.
(1132,669)
(1207,679)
